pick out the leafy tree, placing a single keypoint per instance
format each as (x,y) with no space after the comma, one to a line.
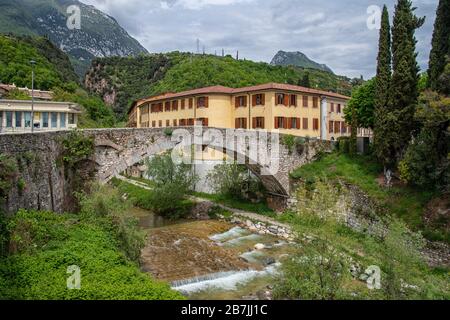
(305,81)
(403,90)
(171,183)
(440,44)
(382,82)
(360,110)
(426,161)
(228,179)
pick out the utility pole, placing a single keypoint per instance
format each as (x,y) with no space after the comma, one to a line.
(33,63)
(203,50)
(198,46)
(223,53)
(237,55)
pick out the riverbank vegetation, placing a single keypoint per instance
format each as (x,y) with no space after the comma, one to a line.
(101,240)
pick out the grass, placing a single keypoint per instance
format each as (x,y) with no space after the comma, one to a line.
(244,205)
(45,244)
(404,202)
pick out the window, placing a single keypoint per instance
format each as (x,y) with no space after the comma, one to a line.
(305,123)
(258,123)
(281,99)
(191,103)
(241,101)
(183,104)
(293,100)
(153,124)
(315,102)
(293,123)
(71,118)
(27,118)
(332,107)
(9,116)
(167,123)
(157,107)
(167,106)
(338,108)
(344,127)
(54,116)
(62,120)
(337,127)
(331,126)
(204,121)
(259,100)
(18,119)
(191,122)
(305,101)
(315,124)
(202,102)
(160,123)
(241,123)
(175,105)
(174,123)
(280,123)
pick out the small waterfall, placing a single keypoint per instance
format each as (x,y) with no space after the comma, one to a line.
(251,237)
(235,232)
(222,280)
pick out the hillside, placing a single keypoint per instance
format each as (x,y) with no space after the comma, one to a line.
(298,59)
(100,35)
(53,71)
(121,80)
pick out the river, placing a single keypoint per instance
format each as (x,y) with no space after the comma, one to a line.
(210,259)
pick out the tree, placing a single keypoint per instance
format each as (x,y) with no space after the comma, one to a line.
(305,81)
(440,44)
(171,183)
(403,90)
(360,110)
(382,82)
(228,179)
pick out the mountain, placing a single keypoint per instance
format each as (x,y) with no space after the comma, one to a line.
(121,80)
(99,36)
(298,59)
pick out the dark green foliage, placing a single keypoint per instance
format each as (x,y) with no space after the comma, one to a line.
(171,183)
(45,244)
(403,91)
(440,45)
(15,67)
(343,145)
(305,81)
(76,147)
(382,134)
(228,179)
(8,172)
(426,162)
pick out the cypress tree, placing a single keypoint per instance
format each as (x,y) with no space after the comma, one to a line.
(403,90)
(382,82)
(440,44)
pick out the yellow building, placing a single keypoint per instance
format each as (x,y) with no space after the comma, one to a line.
(292,109)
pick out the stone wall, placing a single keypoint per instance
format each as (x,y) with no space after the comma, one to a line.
(44,182)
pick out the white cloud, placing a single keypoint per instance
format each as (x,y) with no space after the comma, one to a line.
(328,31)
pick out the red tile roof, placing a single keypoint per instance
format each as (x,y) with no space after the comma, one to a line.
(230,91)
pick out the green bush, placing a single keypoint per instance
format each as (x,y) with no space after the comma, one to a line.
(50,243)
(76,147)
(8,172)
(344,145)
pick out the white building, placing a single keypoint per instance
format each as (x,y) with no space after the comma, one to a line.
(15,116)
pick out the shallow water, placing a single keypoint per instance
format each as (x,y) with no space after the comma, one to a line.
(210,259)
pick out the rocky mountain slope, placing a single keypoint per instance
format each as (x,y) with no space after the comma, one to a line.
(298,59)
(99,36)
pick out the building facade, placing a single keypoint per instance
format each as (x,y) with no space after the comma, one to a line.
(291,109)
(16,116)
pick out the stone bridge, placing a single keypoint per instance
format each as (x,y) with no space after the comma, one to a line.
(119,149)
(46,185)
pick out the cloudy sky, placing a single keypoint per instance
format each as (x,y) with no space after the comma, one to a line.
(328,31)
